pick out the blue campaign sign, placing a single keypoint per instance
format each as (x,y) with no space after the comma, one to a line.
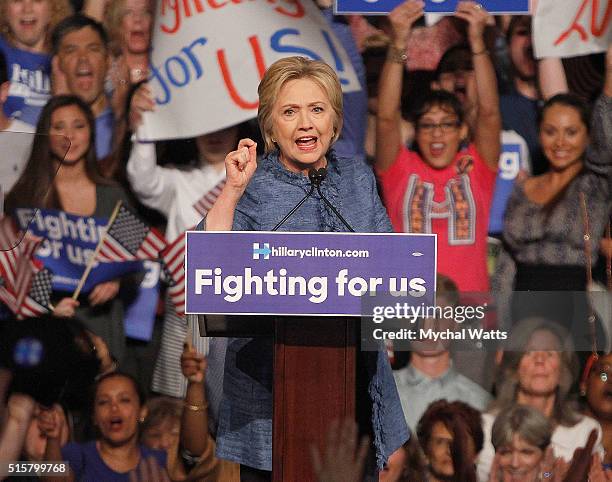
(260,272)
(510,163)
(139,315)
(370,7)
(69,242)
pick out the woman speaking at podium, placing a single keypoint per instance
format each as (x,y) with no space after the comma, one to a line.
(300,116)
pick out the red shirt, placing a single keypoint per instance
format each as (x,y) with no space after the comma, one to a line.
(453,203)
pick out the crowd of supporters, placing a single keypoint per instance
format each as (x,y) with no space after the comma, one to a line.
(442,106)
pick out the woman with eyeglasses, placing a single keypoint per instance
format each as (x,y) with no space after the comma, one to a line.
(443,186)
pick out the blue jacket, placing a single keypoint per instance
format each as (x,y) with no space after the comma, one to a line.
(244,432)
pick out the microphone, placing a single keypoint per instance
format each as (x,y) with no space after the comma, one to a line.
(316,177)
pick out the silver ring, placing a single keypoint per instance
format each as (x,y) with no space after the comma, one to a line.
(478,6)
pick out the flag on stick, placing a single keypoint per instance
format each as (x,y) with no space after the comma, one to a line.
(173,259)
(128,238)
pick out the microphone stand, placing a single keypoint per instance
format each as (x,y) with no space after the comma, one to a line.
(298,205)
(316,177)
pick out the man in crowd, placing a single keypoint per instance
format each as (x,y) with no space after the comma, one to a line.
(430,375)
(80,64)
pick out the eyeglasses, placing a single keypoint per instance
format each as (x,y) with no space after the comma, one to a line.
(447,126)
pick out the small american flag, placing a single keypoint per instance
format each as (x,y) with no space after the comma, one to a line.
(206,202)
(34,303)
(173,258)
(17,263)
(130,239)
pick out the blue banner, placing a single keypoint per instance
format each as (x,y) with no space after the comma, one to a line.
(140,314)
(69,242)
(369,7)
(305,273)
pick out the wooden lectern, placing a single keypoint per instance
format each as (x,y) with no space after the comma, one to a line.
(315,363)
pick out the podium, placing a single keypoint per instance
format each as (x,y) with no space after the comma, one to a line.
(315,382)
(304,291)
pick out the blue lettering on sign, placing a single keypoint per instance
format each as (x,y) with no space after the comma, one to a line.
(431,6)
(277,44)
(176,71)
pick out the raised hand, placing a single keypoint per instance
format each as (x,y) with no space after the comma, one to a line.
(193,364)
(141,102)
(597,472)
(402,19)
(344,456)
(240,165)
(51,422)
(477,18)
(581,461)
(20,407)
(59,83)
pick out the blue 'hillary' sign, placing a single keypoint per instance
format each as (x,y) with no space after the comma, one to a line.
(272,273)
(380,7)
(69,242)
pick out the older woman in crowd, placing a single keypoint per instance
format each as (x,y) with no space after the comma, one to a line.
(300,116)
(521,437)
(538,369)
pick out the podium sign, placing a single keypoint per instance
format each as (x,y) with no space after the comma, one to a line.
(304,274)
(381,7)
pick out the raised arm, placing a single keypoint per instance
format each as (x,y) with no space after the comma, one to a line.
(50,424)
(20,409)
(240,166)
(153,184)
(552,77)
(599,151)
(388,116)
(194,421)
(487,128)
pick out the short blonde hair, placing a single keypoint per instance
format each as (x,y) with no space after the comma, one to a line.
(293,68)
(60,9)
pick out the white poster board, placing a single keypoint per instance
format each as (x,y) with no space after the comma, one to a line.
(570,28)
(209,56)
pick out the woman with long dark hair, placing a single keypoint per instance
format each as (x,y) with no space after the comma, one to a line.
(62,173)
(547,216)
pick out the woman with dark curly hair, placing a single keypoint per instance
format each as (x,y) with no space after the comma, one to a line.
(451,436)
